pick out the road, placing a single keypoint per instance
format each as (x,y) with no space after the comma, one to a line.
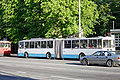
(14,68)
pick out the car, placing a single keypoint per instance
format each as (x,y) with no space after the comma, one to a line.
(107,58)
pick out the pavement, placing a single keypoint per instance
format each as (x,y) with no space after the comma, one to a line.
(14,68)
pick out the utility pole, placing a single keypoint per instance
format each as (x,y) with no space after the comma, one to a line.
(80,30)
(113,25)
(79,20)
(6,21)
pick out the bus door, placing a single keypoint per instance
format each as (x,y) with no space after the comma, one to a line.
(58,48)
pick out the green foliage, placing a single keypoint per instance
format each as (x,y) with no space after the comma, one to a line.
(105,17)
(64,15)
(25,19)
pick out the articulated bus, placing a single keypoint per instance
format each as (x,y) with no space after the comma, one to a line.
(5,48)
(64,48)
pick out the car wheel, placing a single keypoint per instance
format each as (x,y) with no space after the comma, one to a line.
(85,62)
(109,63)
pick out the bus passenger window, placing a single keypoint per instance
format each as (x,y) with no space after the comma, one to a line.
(31,44)
(37,44)
(75,44)
(26,44)
(92,43)
(109,43)
(83,43)
(43,44)
(67,43)
(49,44)
(0,45)
(99,43)
(105,44)
(21,45)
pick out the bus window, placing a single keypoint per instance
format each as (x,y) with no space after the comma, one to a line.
(49,44)
(26,44)
(8,45)
(0,45)
(83,43)
(43,44)
(109,44)
(75,43)
(99,43)
(67,44)
(92,43)
(37,44)
(21,45)
(105,43)
(4,45)
(31,44)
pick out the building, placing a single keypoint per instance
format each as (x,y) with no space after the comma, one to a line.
(116,32)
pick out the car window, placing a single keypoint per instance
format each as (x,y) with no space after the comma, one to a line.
(106,53)
(102,54)
(109,54)
(97,54)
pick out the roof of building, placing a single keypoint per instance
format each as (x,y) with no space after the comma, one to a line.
(115,30)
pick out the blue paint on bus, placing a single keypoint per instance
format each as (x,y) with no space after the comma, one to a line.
(35,55)
(70,56)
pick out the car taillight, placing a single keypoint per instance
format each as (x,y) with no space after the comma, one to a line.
(118,57)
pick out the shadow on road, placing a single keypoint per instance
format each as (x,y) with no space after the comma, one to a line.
(94,65)
(74,63)
(12,77)
(85,65)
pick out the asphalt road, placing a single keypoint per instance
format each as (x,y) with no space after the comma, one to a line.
(14,68)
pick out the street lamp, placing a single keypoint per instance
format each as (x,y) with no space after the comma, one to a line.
(80,29)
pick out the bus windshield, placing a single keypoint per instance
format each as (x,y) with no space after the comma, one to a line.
(5,45)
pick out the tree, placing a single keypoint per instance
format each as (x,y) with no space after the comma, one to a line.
(62,17)
(25,19)
(105,17)
(115,11)
(22,18)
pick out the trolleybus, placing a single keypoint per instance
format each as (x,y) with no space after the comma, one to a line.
(64,48)
(5,48)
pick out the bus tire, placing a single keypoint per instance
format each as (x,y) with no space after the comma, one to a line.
(48,55)
(26,55)
(110,63)
(81,55)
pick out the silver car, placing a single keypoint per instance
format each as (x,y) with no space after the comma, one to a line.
(103,58)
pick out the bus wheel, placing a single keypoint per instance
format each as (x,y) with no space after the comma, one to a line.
(81,55)
(26,55)
(109,63)
(48,55)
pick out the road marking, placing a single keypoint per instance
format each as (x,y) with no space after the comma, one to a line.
(21,72)
(63,77)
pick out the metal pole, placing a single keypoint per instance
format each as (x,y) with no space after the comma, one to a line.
(79,21)
(6,21)
(113,25)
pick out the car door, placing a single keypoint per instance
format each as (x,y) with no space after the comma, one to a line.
(103,57)
(93,59)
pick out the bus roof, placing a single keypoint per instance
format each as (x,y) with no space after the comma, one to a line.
(84,38)
(5,42)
